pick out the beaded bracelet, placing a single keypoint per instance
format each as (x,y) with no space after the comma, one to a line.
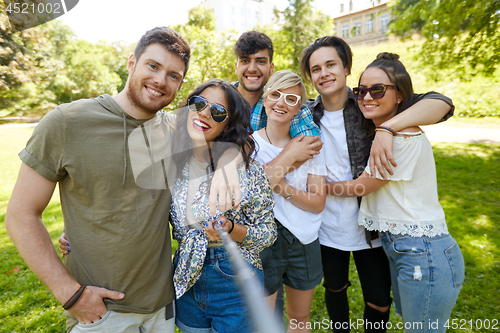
(385,129)
(288,197)
(75,298)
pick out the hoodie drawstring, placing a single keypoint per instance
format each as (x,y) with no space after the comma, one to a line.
(150,155)
(124,149)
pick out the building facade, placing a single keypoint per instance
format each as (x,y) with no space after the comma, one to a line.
(241,15)
(363,26)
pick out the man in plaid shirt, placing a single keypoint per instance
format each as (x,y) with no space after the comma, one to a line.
(254,51)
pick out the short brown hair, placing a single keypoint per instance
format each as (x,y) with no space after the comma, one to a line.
(169,39)
(251,42)
(342,48)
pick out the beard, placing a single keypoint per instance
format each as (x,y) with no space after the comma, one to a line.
(252,89)
(139,101)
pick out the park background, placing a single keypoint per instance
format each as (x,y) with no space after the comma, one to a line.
(48,65)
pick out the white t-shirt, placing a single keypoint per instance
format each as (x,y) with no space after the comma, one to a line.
(408,204)
(303,225)
(339,228)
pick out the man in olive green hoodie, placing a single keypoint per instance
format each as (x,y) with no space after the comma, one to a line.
(118,276)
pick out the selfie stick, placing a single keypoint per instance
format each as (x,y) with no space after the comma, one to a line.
(252,288)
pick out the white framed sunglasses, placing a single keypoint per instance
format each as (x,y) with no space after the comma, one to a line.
(290,99)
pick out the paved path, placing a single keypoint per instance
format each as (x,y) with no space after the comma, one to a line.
(443,133)
(435,133)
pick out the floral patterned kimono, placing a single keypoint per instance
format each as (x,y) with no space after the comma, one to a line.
(255,212)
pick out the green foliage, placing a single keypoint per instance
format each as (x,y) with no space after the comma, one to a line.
(300,24)
(472,97)
(459,33)
(212,53)
(45,66)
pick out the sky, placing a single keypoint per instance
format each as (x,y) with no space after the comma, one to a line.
(127,20)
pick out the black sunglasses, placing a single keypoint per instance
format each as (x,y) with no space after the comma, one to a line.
(217,111)
(376,91)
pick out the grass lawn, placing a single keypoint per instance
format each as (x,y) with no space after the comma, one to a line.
(469,182)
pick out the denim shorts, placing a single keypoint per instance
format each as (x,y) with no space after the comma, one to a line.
(215,303)
(291,263)
(427,274)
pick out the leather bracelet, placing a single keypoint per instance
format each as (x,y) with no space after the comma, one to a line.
(232,227)
(75,298)
(385,129)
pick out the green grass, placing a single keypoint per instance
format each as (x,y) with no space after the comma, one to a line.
(469,179)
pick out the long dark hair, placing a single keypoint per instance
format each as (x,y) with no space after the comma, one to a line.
(238,130)
(397,73)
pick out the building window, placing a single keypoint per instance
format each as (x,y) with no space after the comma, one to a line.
(345,31)
(384,21)
(356,29)
(350,5)
(341,7)
(369,25)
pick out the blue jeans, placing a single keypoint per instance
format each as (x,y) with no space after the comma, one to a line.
(427,274)
(215,303)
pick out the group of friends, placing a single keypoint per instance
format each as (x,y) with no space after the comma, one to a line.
(299,184)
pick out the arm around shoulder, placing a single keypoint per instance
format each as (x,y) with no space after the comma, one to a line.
(428,109)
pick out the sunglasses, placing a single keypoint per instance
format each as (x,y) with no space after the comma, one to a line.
(376,91)
(290,99)
(217,111)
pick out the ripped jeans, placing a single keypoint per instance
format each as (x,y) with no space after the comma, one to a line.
(427,274)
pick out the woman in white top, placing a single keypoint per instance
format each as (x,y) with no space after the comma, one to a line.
(427,267)
(295,258)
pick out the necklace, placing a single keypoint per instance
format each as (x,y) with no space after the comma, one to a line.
(265,130)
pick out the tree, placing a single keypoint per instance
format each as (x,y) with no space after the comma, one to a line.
(459,33)
(211,52)
(46,65)
(301,24)
(19,55)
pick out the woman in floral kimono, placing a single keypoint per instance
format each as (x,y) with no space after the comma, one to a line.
(215,119)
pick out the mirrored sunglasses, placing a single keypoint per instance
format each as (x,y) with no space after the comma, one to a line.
(290,99)
(376,91)
(217,111)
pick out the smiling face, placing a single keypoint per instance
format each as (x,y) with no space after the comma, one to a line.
(254,70)
(279,111)
(154,79)
(328,74)
(382,109)
(200,125)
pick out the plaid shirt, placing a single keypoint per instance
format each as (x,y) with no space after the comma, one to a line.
(302,123)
